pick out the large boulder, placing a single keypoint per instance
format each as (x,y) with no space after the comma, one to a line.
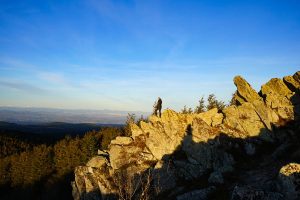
(245,94)
(278,97)
(91,183)
(125,152)
(200,131)
(296,76)
(245,119)
(200,194)
(291,83)
(266,114)
(97,162)
(204,157)
(244,90)
(165,134)
(164,176)
(212,117)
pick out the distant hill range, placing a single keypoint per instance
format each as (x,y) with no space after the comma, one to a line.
(30,115)
(48,132)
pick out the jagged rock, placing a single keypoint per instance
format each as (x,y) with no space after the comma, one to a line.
(281,150)
(165,134)
(164,177)
(189,171)
(91,184)
(136,130)
(180,147)
(176,192)
(277,96)
(244,90)
(212,117)
(216,178)
(135,153)
(276,85)
(97,162)
(245,119)
(205,156)
(238,100)
(296,76)
(289,179)
(200,131)
(251,119)
(119,157)
(249,193)
(121,141)
(102,153)
(266,114)
(201,194)
(249,148)
(291,83)
(217,119)
(245,93)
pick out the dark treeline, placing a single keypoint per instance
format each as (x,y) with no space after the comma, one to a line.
(30,170)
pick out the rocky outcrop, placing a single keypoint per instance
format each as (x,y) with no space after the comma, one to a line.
(197,194)
(291,83)
(171,151)
(249,193)
(245,93)
(289,179)
(278,96)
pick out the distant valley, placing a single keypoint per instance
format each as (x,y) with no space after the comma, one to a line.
(30,115)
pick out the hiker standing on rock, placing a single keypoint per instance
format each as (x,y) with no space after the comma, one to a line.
(157,107)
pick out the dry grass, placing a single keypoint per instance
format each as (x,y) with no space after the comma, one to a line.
(133,187)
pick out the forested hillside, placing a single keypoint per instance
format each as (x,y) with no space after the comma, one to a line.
(37,169)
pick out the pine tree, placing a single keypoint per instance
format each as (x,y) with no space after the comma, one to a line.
(214,103)
(201,107)
(186,110)
(233,100)
(130,120)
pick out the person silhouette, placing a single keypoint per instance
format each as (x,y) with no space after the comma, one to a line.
(157,107)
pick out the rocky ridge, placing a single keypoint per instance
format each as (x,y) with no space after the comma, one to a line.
(205,156)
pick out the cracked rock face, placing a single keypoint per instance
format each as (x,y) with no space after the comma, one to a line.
(187,147)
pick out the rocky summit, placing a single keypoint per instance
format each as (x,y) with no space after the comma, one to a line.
(249,150)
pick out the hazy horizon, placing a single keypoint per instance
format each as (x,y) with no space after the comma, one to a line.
(122,55)
(30,115)
(71,109)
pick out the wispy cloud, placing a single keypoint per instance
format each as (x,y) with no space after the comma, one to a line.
(52,77)
(14,63)
(22,86)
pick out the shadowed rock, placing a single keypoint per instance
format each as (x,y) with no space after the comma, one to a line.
(291,83)
(289,178)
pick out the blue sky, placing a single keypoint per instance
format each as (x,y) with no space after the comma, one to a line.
(122,55)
